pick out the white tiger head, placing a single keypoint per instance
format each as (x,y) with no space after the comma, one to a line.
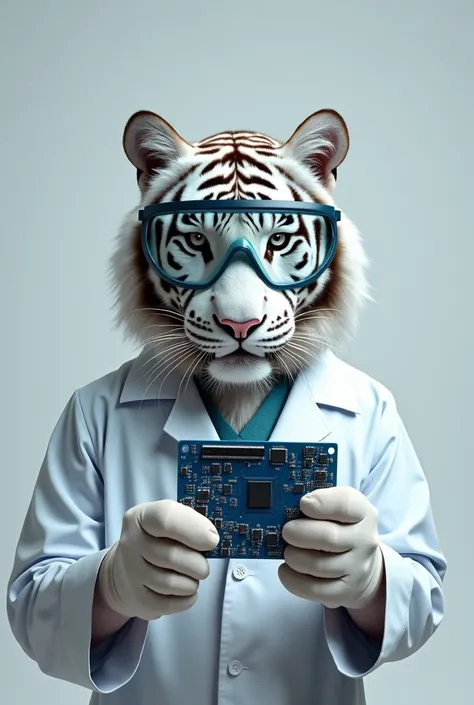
(239,331)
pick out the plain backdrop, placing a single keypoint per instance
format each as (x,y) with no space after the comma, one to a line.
(401,75)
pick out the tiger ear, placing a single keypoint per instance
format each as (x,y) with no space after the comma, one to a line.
(151,144)
(321,142)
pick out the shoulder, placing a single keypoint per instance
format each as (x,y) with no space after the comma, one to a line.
(339,384)
(103,394)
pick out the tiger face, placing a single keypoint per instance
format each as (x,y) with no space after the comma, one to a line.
(239,330)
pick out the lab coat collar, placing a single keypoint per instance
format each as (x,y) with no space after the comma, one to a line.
(326,383)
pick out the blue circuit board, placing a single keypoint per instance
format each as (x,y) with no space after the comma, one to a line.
(250,490)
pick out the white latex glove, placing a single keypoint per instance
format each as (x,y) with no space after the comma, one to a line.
(155,567)
(333,556)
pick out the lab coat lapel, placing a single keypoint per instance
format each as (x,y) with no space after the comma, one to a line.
(301,420)
(189,419)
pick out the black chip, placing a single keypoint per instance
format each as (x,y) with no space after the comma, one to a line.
(227,542)
(203,495)
(227,467)
(227,489)
(184,471)
(292,513)
(215,468)
(225,551)
(218,522)
(201,510)
(243,528)
(323,459)
(272,538)
(298,487)
(308,462)
(321,476)
(259,494)
(278,456)
(309,451)
(188,501)
(257,535)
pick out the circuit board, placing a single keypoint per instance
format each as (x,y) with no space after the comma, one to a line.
(250,490)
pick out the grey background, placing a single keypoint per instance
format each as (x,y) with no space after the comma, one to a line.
(401,75)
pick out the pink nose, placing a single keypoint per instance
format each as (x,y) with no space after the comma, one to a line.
(240,329)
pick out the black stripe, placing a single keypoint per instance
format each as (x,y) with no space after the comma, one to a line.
(303,262)
(216,181)
(293,248)
(172,262)
(179,244)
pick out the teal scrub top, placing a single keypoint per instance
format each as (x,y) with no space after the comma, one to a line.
(261,425)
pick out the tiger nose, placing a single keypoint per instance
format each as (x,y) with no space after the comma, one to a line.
(240,329)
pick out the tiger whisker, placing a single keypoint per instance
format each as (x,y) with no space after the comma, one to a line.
(193,352)
(159,353)
(311,312)
(163,311)
(190,372)
(173,350)
(154,376)
(316,339)
(293,347)
(282,362)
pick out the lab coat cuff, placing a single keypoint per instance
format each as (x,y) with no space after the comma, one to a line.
(113,663)
(354,653)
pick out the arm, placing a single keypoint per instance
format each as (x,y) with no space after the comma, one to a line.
(409,606)
(58,557)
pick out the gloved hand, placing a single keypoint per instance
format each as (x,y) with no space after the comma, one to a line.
(155,567)
(333,556)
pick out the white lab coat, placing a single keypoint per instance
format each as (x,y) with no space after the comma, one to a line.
(247,640)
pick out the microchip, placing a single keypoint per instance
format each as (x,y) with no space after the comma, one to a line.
(227,541)
(298,487)
(243,528)
(271,538)
(218,522)
(215,468)
(203,495)
(292,513)
(187,501)
(321,476)
(227,489)
(278,456)
(225,551)
(227,467)
(201,510)
(184,471)
(323,459)
(308,462)
(257,535)
(309,452)
(259,494)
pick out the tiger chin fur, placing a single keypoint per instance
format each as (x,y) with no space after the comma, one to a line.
(180,324)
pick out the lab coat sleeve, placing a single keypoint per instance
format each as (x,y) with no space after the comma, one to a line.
(414,563)
(59,552)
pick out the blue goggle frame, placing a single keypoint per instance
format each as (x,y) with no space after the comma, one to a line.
(240,245)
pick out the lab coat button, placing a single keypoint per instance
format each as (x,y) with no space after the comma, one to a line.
(240,572)
(235,668)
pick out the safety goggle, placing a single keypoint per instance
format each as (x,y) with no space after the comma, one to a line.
(289,244)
